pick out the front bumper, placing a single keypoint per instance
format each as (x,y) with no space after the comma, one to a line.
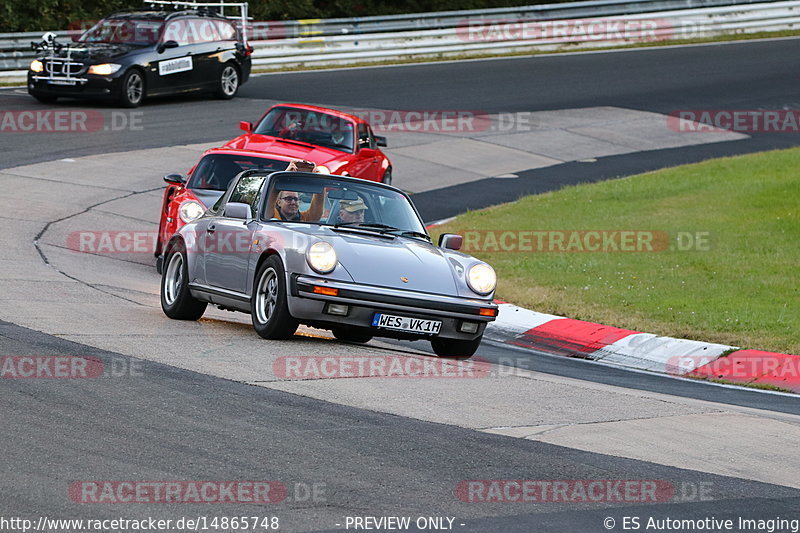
(80,87)
(364,301)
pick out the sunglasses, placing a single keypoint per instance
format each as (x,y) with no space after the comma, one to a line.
(291,198)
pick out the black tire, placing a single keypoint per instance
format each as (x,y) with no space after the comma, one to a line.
(350,334)
(45,98)
(387,177)
(455,348)
(132,89)
(229,81)
(176,300)
(269,310)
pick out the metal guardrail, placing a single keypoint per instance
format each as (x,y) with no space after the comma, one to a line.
(451,19)
(419,35)
(533,35)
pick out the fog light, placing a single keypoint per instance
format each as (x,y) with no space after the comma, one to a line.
(337,309)
(468,327)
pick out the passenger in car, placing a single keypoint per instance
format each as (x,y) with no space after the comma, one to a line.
(352,211)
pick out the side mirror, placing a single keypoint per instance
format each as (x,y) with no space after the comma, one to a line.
(167,44)
(237,210)
(380,141)
(451,241)
(368,152)
(246,127)
(175,179)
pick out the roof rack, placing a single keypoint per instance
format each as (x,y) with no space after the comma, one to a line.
(243,7)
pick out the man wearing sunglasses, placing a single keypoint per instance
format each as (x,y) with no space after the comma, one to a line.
(287,205)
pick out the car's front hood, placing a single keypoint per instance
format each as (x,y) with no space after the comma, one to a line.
(96,52)
(401,263)
(272,145)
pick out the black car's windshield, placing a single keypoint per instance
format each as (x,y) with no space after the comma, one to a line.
(215,171)
(342,204)
(124,31)
(313,127)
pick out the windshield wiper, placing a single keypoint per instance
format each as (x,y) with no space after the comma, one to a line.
(411,233)
(293,141)
(365,225)
(343,147)
(384,229)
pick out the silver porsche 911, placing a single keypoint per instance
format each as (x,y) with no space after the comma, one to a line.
(332,252)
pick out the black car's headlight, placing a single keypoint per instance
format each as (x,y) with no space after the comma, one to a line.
(321,257)
(37,66)
(104,69)
(481,278)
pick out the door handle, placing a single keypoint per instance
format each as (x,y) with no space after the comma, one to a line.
(211,229)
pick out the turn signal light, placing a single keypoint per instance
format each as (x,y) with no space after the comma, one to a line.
(327,291)
(488,311)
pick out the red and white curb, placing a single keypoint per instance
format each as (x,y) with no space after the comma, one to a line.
(626,348)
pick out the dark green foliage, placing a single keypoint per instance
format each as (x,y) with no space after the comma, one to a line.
(40,15)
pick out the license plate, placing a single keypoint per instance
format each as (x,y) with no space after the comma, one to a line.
(61,82)
(404,323)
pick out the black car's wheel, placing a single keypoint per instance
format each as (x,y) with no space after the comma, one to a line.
(387,177)
(176,301)
(45,98)
(268,306)
(455,348)
(132,89)
(360,335)
(228,84)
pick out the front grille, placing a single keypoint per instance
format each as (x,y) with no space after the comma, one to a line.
(61,67)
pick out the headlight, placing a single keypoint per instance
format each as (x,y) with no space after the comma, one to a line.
(321,257)
(481,278)
(105,69)
(36,66)
(189,211)
(322,169)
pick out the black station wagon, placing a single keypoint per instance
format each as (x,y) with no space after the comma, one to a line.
(133,55)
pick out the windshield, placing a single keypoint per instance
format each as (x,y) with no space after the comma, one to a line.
(312,127)
(215,171)
(333,202)
(123,31)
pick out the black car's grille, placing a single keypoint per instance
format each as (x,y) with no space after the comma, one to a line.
(61,67)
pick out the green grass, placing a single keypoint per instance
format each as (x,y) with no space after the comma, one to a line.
(742,290)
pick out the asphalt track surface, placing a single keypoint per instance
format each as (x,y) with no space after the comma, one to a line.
(166,423)
(175,424)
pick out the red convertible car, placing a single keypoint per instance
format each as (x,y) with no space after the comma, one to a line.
(344,144)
